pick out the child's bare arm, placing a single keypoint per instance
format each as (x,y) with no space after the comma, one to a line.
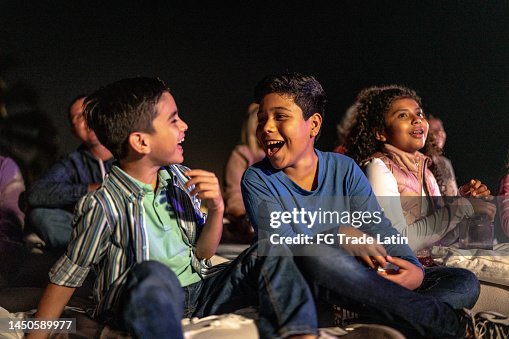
(52,303)
(206,187)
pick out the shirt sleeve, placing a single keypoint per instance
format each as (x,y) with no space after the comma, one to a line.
(424,232)
(89,243)
(58,187)
(260,204)
(363,199)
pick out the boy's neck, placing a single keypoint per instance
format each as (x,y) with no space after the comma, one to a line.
(305,172)
(140,171)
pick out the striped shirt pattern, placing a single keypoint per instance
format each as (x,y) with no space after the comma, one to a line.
(110,234)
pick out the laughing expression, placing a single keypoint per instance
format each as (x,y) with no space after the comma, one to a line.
(286,138)
(405,125)
(168,135)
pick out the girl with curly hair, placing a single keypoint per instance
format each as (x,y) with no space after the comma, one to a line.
(388,131)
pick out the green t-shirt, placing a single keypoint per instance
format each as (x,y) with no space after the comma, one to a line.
(164,234)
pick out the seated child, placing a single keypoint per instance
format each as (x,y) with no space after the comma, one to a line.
(244,155)
(388,131)
(296,194)
(53,197)
(143,233)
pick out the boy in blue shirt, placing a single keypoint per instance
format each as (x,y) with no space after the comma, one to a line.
(311,199)
(144,234)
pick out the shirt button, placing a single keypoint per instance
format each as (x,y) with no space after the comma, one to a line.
(156,204)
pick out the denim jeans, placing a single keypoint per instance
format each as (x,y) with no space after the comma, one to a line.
(54,225)
(430,311)
(272,283)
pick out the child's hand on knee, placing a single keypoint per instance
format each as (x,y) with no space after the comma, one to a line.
(408,275)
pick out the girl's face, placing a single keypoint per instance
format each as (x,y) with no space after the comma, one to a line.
(405,126)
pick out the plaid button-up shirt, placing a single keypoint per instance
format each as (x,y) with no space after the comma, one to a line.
(110,234)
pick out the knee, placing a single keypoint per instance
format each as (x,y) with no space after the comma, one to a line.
(47,217)
(470,281)
(152,277)
(265,248)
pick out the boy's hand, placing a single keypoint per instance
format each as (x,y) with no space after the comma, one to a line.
(475,188)
(372,255)
(206,187)
(408,275)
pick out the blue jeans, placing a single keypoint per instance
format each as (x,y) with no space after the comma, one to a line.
(429,311)
(54,225)
(271,283)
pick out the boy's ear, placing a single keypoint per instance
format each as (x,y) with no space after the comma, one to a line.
(139,143)
(316,124)
(380,135)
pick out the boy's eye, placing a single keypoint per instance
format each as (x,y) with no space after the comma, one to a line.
(261,119)
(280,116)
(402,115)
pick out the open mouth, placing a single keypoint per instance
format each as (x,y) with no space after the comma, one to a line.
(417,132)
(273,146)
(181,141)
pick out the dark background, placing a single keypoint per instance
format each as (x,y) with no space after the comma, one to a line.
(211,53)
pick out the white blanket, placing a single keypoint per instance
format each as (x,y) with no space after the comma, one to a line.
(488,265)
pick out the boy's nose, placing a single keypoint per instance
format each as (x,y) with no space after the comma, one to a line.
(183,126)
(268,127)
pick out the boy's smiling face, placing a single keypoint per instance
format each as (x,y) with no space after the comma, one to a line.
(285,136)
(169,131)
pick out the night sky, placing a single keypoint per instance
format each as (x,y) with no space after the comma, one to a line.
(455,54)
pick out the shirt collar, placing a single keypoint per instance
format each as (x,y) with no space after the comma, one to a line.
(134,188)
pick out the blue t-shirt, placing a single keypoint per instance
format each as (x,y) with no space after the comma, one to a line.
(343,196)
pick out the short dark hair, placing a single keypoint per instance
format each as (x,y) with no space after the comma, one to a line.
(121,108)
(305,90)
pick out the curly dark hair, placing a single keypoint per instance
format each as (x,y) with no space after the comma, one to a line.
(305,90)
(121,108)
(369,116)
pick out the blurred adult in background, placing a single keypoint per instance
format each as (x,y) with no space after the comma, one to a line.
(247,153)
(443,165)
(503,195)
(12,218)
(53,196)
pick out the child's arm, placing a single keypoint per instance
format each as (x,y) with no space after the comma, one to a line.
(206,187)
(425,231)
(57,188)
(52,303)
